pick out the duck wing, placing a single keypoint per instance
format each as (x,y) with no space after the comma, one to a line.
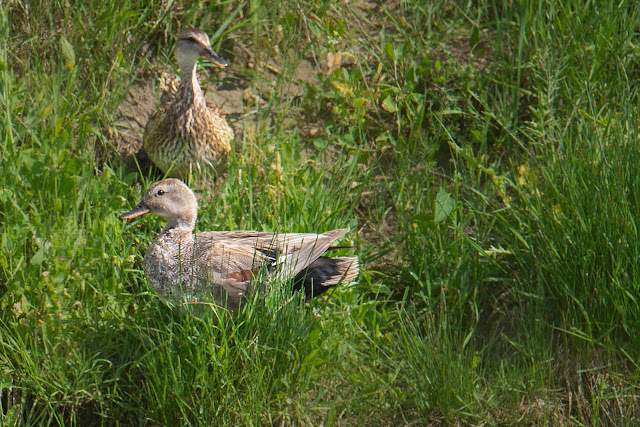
(155,130)
(232,258)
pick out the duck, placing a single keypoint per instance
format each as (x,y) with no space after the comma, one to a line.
(187,137)
(223,265)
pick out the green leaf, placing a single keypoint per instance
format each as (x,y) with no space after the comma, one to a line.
(390,51)
(423,219)
(389,104)
(38,257)
(69,54)
(474,37)
(445,204)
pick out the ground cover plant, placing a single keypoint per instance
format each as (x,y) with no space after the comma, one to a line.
(485,155)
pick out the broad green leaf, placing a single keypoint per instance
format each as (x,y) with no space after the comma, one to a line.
(38,257)
(445,204)
(389,104)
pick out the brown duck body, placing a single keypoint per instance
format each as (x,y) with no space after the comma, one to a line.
(187,136)
(224,264)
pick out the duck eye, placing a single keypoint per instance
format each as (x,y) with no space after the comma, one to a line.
(160,192)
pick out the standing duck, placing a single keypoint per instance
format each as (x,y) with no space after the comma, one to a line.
(223,264)
(186,136)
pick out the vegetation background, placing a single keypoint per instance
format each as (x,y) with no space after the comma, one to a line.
(484,153)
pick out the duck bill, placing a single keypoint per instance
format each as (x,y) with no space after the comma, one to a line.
(139,210)
(214,58)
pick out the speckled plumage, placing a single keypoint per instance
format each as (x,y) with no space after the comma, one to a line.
(186,136)
(223,264)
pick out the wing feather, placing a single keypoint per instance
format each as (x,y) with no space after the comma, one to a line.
(234,256)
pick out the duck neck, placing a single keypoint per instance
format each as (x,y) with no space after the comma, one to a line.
(183,224)
(189,89)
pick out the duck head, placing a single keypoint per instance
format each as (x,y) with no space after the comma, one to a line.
(170,199)
(193,44)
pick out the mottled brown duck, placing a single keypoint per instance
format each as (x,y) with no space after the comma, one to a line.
(224,264)
(186,136)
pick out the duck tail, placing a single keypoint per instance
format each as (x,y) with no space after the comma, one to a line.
(324,273)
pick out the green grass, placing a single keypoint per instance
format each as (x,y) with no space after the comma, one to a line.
(485,155)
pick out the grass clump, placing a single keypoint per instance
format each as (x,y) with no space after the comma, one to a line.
(484,154)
